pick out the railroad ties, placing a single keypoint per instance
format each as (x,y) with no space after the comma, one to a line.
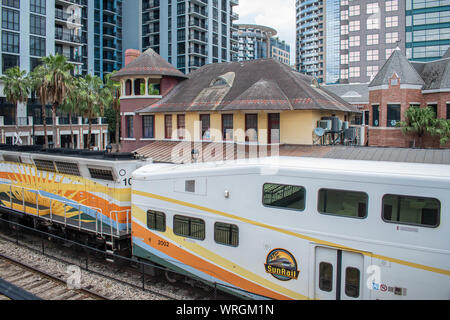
(39,284)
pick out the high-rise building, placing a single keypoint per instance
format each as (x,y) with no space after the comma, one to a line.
(309,53)
(102,36)
(259,42)
(427,29)
(187,33)
(343,41)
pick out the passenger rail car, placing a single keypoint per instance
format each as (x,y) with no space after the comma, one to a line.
(84,190)
(299,228)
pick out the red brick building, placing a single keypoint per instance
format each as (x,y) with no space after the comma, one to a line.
(401,84)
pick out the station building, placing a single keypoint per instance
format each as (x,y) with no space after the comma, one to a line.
(401,84)
(250,102)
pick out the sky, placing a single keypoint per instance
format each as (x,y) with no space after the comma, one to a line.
(278,14)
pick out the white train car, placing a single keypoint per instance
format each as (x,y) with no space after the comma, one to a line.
(299,228)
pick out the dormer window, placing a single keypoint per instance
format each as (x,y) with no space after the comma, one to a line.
(219,83)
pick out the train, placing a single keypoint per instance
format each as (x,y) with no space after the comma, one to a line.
(276,227)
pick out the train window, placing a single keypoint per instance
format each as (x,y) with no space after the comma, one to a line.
(227,234)
(326,276)
(343,203)
(68,168)
(189,227)
(284,196)
(156,220)
(189,186)
(352,282)
(44,165)
(418,211)
(103,174)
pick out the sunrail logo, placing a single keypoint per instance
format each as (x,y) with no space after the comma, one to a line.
(282,265)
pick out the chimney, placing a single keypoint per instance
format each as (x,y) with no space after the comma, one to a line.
(130,55)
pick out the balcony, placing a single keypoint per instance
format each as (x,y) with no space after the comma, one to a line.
(198,12)
(234,2)
(67,37)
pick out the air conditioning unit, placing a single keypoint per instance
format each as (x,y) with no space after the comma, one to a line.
(324,124)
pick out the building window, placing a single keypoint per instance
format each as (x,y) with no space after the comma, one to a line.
(37,6)
(11,3)
(226,234)
(343,203)
(9,61)
(389,52)
(129,126)
(354,72)
(391,37)
(448,111)
(434,108)
(344,59)
(227,127)
(418,211)
(284,196)
(354,25)
(10,42)
(37,25)
(391,5)
(376,116)
(372,71)
(148,126)
(189,227)
(354,56)
(251,127)
(344,73)
(372,8)
(344,15)
(372,39)
(391,22)
(393,115)
(10,19)
(373,22)
(354,10)
(181,126)
(37,46)
(156,220)
(372,55)
(168,126)
(205,126)
(355,41)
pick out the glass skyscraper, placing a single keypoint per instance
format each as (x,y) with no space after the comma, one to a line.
(427,29)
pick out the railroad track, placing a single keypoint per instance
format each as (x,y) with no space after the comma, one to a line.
(40,283)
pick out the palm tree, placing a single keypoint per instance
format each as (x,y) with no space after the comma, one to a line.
(40,85)
(422,122)
(58,75)
(94,99)
(17,87)
(72,103)
(114,88)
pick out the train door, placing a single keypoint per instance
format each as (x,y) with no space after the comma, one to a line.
(338,274)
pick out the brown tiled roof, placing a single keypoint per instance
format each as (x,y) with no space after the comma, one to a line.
(258,84)
(149,63)
(161,151)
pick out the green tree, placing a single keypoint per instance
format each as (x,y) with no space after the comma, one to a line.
(422,122)
(94,98)
(114,106)
(58,77)
(17,87)
(40,85)
(72,103)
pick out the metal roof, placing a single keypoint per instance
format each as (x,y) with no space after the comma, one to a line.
(161,151)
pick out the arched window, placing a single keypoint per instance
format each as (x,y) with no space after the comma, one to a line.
(128,87)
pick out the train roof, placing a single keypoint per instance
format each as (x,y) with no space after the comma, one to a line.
(73,153)
(254,165)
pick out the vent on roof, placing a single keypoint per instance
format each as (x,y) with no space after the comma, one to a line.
(68,168)
(103,174)
(11,158)
(44,165)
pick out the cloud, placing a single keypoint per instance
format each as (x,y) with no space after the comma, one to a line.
(277,14)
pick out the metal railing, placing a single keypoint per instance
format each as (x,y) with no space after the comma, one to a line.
(98,212)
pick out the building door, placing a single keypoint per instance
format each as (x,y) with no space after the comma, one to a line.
(338,274)
(251,127)
(274,128)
